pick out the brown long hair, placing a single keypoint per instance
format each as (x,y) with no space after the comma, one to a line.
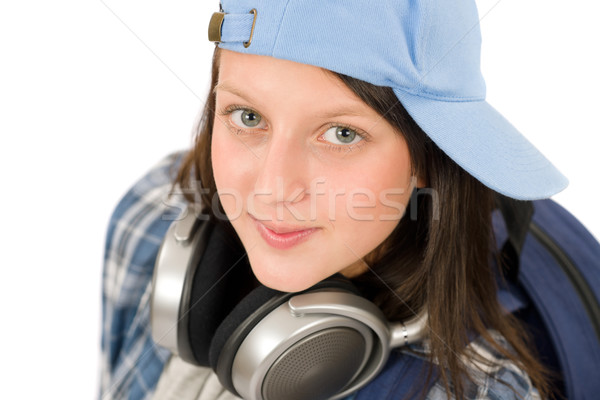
(440,258)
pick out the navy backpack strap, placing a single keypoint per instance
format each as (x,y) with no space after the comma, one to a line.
(555,262)
(560,271)
(575,249)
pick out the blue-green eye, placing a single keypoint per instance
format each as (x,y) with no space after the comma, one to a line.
(341,135)
(245,118)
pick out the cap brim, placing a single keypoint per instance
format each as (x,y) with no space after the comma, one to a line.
(486,145)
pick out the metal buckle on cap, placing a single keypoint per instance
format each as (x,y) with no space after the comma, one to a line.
(247,44)
(215,27)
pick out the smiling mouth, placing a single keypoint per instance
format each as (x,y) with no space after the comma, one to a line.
(283,237)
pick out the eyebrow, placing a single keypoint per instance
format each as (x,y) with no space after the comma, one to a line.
(341,112)
(233,90)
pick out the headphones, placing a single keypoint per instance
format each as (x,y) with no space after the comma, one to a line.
(206,306)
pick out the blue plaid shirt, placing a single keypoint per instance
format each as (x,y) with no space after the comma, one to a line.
(132,363)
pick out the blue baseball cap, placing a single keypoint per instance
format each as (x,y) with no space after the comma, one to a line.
(427,51)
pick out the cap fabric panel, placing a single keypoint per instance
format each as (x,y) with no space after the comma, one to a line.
(487,146)
(451,49)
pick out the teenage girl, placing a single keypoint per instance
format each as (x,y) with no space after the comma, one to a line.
(346,138)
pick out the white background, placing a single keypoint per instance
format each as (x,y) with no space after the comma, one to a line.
(93,93)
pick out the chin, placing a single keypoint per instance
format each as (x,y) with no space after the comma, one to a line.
(282,283)
(285,278)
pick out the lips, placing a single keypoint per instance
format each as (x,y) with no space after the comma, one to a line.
(283,236)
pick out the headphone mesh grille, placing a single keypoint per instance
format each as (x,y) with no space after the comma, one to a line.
(316,367)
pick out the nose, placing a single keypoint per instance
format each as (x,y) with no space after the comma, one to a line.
(282,175)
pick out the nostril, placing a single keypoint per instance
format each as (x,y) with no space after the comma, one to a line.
(275,189)
(296,196)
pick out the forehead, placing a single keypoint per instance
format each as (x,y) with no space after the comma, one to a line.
(264,79)
(238,65)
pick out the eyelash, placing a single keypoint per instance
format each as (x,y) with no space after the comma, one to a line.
(365,137)
(227,111)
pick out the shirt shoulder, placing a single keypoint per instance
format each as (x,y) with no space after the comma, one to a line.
(493,376)
(135,232)
(131,362)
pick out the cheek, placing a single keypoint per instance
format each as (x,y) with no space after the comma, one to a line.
(232,178)
(381,195)
(362,225)
(368,211)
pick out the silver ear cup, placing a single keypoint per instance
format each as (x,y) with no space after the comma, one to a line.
(317,367)
(179,253)
(318,345)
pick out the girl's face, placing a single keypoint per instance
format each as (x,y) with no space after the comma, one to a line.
(311,178)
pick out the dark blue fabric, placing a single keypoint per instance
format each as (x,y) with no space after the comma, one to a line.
(403,377)
(555,299)
(550,305)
